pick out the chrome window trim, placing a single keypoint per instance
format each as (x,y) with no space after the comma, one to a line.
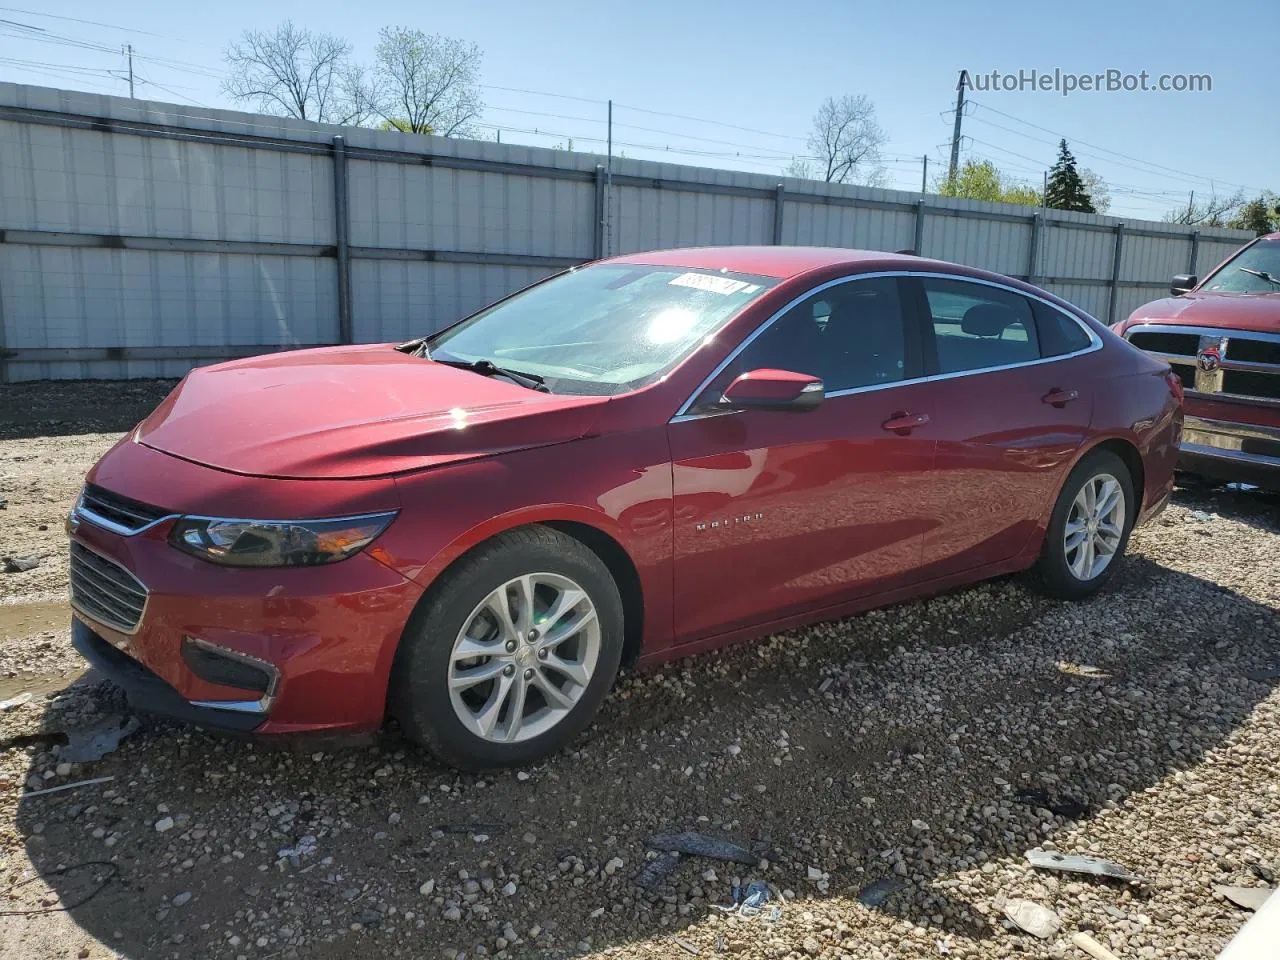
(261,705)
(1095,341)
(71,598)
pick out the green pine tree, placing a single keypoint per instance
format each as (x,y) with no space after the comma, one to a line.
(1066,190)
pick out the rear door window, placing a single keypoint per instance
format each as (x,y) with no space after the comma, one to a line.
(976,327)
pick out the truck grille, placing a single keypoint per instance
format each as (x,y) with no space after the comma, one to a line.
(104,591)
(1226,364)
(117,513)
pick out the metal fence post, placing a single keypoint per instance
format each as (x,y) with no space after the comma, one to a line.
(919,242)
(598,242)
(779,198)
(4,355)
(1195,252)
(1033,254)
(1115,274)
(346,333)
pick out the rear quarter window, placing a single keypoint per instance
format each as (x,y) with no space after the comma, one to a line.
(1059,333)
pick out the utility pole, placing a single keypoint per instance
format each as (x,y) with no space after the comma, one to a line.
(924,174)
(1044,194)
(608,187)
(128,52)
(955,130)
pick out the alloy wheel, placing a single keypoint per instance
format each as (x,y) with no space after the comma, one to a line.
(524,657)
(1095,526)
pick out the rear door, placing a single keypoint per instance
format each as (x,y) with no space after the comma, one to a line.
(1012,401)
(782,512)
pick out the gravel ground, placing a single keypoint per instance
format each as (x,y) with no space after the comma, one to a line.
(887,747)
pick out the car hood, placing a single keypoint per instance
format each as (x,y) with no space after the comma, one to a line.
(346,412)
(1258,312)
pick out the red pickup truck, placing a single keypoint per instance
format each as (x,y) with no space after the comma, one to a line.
(1222,336)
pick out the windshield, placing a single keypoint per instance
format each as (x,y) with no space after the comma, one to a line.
(602,329)
(1248,271)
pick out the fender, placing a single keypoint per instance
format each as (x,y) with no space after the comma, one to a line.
(539,513)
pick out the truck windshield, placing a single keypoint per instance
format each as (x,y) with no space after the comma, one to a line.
(1255,269)
(601,329)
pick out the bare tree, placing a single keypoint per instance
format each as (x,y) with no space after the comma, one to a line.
(426,83)
(846,141)
(1214,212)
(800,168)
(1096,187)
(292,72)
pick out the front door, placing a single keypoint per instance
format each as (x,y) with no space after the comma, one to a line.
(779,512)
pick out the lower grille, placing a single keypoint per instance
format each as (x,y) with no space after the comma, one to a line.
(104,591)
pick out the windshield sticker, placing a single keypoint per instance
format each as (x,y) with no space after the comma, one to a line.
(721,285)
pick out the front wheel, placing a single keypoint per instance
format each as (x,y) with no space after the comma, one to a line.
(512,653)
(1089,529)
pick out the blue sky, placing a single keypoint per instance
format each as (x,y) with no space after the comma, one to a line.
(760,70)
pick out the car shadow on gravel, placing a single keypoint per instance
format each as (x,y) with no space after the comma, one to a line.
(889,746)
(59,408)
(1242,503)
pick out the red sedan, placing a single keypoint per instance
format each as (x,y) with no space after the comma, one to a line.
(632,461)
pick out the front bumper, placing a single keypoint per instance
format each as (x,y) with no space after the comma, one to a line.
(323,637)
(147,692)
(1231,451)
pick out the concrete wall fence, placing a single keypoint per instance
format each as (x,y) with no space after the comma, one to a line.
(138,239)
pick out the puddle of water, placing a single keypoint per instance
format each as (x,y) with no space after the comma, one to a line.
(39,684)
(28,619)
(25,619)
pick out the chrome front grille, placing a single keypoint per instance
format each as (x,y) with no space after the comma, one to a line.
(116,513)
(104,591)
(1216,363)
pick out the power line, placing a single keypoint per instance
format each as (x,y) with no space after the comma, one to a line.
(91,23)
(160,86)
(1094,146)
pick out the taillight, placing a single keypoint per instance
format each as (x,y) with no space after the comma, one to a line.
(1175,385)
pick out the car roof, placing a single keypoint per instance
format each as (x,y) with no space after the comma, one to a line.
(785,262)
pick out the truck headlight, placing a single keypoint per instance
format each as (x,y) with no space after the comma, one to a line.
(277,543)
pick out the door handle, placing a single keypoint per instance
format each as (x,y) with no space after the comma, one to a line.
(904,423)
(1060,398)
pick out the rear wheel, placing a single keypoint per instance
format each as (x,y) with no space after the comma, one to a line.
(1090,527)
(512,653)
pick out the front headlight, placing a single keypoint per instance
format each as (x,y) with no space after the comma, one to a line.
(277,543)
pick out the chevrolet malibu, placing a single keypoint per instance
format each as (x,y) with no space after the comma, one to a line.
(632,461)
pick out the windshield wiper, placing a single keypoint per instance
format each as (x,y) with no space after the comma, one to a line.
(489,369)
(1261,273)
(416,347)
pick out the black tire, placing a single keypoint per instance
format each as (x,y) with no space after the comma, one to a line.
(1053,571)
(419,695)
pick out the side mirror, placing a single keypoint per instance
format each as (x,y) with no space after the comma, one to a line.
(773,390)
(1183,283)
